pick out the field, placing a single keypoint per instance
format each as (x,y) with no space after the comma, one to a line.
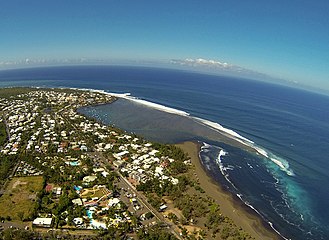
(95,192)
(19,198)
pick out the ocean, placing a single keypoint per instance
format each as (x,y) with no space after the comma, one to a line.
(285,180)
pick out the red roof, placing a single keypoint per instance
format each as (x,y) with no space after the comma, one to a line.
(49,188)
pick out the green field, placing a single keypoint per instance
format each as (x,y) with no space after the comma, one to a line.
(19,198)
(8,92)
(93,193)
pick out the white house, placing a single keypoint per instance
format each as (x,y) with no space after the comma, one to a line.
(42,222)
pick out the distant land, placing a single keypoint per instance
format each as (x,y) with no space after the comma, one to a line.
(201,65)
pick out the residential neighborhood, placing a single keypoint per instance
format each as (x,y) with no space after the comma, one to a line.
(49,138)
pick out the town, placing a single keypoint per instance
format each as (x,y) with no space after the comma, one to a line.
(63,174)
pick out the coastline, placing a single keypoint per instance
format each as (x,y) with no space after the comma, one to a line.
(268,133)
(229,206)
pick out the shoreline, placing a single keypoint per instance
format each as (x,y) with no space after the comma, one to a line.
(230,206)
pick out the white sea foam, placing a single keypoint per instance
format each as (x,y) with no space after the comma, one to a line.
(283,164)
(252,207)
(261,151)
(271,224)
(205,145)
(219,127)
(223,169)
(119,95)
(152,104)
(277,162)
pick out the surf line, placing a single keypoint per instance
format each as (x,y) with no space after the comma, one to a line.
(282,164)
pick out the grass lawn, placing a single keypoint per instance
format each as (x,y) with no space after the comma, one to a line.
(93,193)
(19,198)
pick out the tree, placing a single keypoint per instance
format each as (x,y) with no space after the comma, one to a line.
(184,232)
(149,215)
(20,215)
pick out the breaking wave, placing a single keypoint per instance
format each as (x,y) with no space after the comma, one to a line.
(154,105)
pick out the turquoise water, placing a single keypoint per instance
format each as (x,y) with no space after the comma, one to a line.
(77,188)
(75,163)
(89,214)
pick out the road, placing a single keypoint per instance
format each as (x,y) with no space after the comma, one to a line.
(139,196)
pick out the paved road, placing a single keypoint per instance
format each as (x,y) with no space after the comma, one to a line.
(140,197)
(148,206)
(7,224)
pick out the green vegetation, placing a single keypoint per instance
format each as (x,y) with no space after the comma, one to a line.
(178,166)
(189,198)
(19,200)
(155,233)
(9,234)
(16,91)
(6,165)
(3,133)
(9,92)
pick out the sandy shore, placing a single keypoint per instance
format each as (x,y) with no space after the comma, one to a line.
(230,207)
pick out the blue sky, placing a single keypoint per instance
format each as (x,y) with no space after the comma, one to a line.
(285,39)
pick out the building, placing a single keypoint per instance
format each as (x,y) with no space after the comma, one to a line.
(42,222)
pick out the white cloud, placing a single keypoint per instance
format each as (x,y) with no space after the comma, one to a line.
(210,65)
(202,62)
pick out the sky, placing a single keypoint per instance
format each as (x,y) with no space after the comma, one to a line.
(281,38)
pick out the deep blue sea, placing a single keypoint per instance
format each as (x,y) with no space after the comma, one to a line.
(287,183)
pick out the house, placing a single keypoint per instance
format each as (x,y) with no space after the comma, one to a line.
(98,225)
(49,188)
(90,204)
(84,148)
(42,222)
(120,154)
(159,170)
(162,207)
(78,221)
(59,191)
(165,163)
(118,163)
(174,181)
(77,201)
(113,202)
